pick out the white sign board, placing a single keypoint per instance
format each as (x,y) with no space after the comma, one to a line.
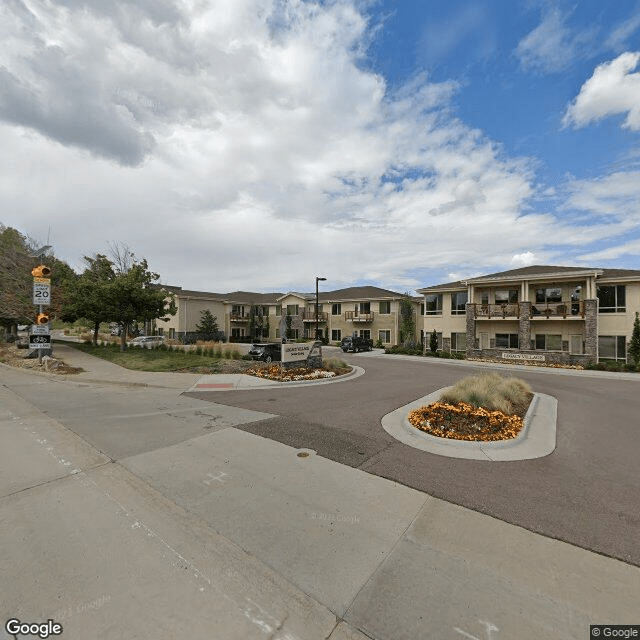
(40,329)
(523,356)
(40,342)
(299,351)
(41,293)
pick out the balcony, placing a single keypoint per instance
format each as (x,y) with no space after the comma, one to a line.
(310,316)
(493,311)
(557,310)
(544,310)
(236,317)
(361,318)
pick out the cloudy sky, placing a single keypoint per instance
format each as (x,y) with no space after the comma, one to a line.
(256,144)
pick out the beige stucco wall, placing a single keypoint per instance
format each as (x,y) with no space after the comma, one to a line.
(189,314)
(621,324)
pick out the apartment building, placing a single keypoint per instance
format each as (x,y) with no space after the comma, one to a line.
(567,315)
(369,312)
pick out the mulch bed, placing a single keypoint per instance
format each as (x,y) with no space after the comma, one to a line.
(463,421)
(274,372)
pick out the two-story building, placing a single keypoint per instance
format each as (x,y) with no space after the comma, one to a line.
(570,315)
(370,312)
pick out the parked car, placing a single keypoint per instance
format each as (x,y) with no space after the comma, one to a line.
(266,351)
(356,343)
(147,341)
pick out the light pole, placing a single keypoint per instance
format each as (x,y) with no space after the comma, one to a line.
(317,280)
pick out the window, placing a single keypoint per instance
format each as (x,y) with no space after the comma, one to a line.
(336,309)
(385,307)
(548,342)
(365,333)
(294,334)
(458,341)
(278,309)
(237,332)
(612,348)
(365,307)
(422,308)
(172,334)
(278,333)
(548,294)
(484,297)
(384,336)
(458,303)
(506,340)
(612,299)
(336,335)
(506,296)
(433,304)
(293,309)
(237,310)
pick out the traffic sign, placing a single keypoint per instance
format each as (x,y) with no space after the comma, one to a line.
(40,342)
(39,329)
(41,292)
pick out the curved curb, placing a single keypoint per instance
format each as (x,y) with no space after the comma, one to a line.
(243,382)
(536,440)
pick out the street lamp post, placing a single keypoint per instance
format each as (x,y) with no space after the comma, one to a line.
(317,280)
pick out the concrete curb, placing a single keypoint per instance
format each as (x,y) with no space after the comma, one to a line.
(537,439)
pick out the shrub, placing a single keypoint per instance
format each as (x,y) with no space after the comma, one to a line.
(490,391)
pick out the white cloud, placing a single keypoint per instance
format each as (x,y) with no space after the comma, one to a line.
(552,46)
(243,144)
(524,259)
(613,89)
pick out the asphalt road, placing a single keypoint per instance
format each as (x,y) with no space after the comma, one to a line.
(587,492)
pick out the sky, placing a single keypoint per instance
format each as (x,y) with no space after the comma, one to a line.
(256,144)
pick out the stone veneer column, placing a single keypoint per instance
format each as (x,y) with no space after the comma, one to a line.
(524,327)
(471,328)
(591,328)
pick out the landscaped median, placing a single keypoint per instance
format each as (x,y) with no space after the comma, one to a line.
(485,407)
(330,369)
(535,439)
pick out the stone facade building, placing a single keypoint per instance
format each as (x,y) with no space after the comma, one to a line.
(569,315)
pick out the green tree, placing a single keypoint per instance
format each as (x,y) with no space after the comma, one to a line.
(433,341)
(208,327)
(634,346)
(89,296)
(407,320)
(17,258)
(136,297)
(288,332)
(256,321)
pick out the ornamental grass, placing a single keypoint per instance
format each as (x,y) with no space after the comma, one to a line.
(486,407)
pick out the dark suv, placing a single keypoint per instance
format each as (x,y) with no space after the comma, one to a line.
(356,343)
(266,351)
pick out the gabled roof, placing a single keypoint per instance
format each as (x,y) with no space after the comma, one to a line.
(536,272)
(248,297)
(359,293)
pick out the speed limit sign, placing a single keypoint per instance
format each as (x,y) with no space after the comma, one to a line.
(41,293)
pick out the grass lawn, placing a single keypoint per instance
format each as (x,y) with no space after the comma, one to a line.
(152,359)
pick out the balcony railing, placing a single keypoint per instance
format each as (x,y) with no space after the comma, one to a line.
(354,316)
(511,310)
(538,310)
(310,316)
(557,309)
(236,317)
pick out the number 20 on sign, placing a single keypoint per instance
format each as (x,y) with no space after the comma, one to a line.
(41,292)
